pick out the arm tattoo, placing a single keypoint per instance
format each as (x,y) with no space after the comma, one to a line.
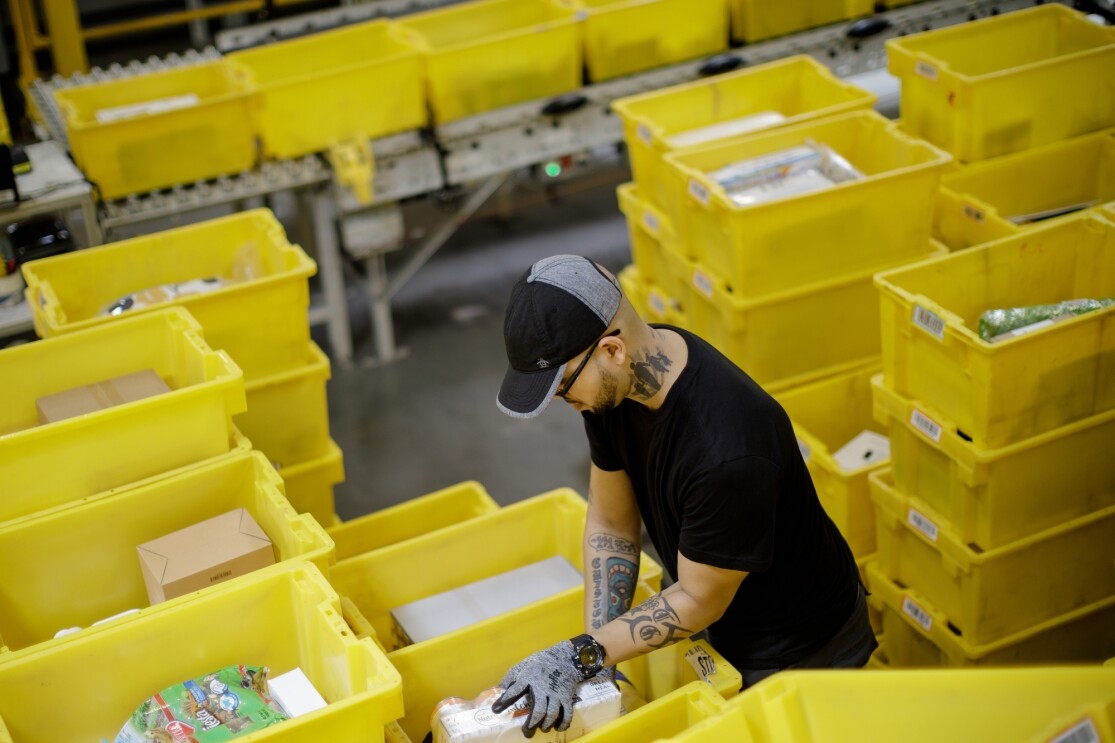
(649,373)
(655,623)
(610,543)
(621,585)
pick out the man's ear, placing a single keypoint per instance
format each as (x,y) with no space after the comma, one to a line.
(616,349)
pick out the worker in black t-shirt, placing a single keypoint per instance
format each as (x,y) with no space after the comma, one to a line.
(684,440)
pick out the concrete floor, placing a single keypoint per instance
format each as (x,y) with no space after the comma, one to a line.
(429,420)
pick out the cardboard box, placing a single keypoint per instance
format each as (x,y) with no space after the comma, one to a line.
(459,607)
(100,395)
(206,553)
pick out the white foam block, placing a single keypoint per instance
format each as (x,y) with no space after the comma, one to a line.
(866,448)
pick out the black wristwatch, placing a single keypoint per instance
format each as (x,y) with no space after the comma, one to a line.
(588,655)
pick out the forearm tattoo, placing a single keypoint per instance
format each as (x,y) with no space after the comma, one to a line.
(655,623)
(609,543)
(649,373)
(613,578)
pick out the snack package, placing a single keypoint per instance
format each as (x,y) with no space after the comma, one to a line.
(217,707)
(163,293)
(1000,324)
(778,175)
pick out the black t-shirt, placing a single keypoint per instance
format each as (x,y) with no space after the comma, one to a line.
(718,476)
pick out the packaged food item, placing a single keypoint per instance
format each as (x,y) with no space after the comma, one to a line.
(163,293)
(1000,324)
(455,720)
(808,167)
(216,707)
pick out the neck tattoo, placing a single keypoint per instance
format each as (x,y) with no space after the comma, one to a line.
(649,373)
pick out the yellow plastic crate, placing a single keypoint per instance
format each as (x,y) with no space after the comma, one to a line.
(288,413)
(626,36)
(1031,704)
(826,415)
(755,20)
(260,316)
(43,466)
(363,80)
(72,566)
(484,652)
(649,301)
(531,530)
(679,712)
(411,518)
(309,484)
(991,497)
(794,337)
(985,201)
(494,53)
(653,238)
(1004,392)
(1006,83)
(918,635)
(991,594)
(281,617)
(855,226)
(213,135)
(799,88)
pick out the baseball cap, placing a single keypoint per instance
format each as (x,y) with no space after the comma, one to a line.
(559,307)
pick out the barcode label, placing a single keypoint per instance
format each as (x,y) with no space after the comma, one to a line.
(1083,732)
(650,221)
(929,322)
(917,613)
(703,283)
(922,524)
(642,131)
(698,191)
(805,453)
(972,213)
(657,303)
(701,662)
(926,425)
(926,70)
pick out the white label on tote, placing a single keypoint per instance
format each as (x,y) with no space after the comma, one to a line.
(926,70)
(918,614)
(702,663)
(642,131)
(698,191)
(922,524)
(805,453)
(703,283)
(929,322)
(1083,732)
(650,221)
(657,303)
(926,425)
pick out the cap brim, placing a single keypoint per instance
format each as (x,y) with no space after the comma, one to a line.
(525,395)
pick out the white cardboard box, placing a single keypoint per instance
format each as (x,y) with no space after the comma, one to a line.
(445,612)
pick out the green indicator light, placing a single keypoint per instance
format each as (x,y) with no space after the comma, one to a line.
(553,170)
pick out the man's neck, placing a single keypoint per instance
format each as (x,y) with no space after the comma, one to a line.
(656,366)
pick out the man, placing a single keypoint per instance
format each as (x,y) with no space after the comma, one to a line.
(684,440)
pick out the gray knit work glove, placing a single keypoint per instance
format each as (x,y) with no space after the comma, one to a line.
(547,678)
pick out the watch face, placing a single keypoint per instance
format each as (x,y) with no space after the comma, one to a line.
(590,656)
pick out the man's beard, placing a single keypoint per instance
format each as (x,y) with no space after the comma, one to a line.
(605,397)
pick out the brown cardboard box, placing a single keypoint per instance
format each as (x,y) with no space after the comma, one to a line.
(206,553)
(100,395)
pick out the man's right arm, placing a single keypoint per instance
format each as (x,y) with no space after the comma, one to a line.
(612,539)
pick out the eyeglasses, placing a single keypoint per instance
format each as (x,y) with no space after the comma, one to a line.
(564,389)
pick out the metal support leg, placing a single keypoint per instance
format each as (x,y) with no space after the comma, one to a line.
(332,277)
(67,44)
(379,301)
(92,226)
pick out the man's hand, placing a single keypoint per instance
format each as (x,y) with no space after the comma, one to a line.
(548,677)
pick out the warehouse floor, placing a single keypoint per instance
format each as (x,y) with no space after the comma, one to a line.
(429,420)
